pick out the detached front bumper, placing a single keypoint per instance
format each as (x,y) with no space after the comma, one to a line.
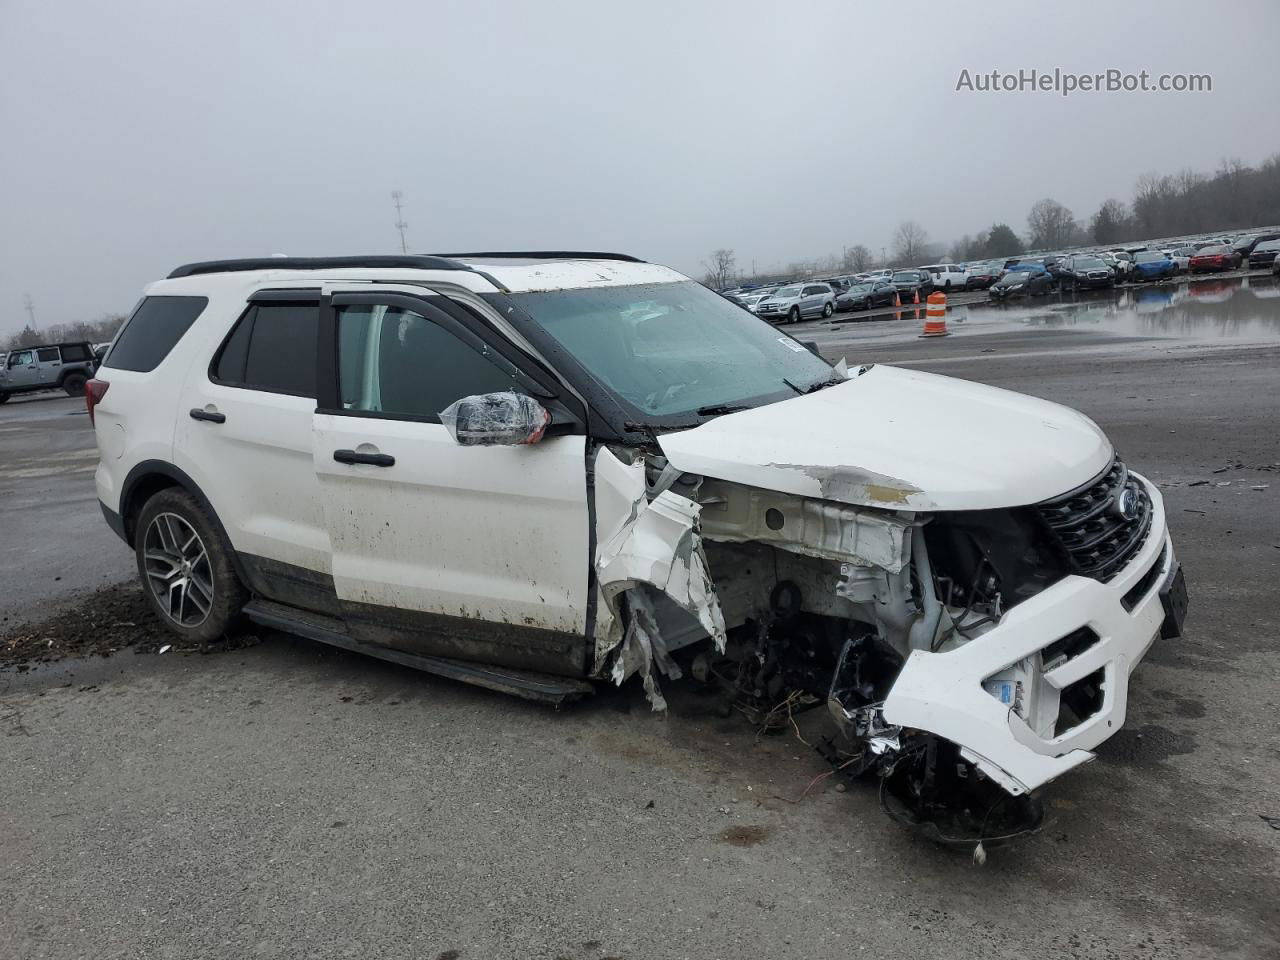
(1000,696)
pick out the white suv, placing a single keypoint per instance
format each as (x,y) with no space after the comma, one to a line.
(536,472)
(948,276)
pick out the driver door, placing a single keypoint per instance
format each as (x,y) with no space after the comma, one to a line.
(22,368)
(474,552)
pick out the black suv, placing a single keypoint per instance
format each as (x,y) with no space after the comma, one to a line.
(1085,272)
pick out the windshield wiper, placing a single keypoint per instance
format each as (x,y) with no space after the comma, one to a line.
(716,409)
(814,387)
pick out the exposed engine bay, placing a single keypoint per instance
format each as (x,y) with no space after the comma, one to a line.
(789,604)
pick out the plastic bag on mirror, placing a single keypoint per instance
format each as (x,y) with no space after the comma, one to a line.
(491,419)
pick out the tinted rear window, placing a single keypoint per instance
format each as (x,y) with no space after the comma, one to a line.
(273,348)
(152,331)
(75,352)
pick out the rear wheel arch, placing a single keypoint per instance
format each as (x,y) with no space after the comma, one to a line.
(147,479)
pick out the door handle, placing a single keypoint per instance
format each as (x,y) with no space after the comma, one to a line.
(211,416)
(373,459)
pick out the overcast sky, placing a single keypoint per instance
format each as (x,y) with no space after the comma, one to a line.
(140,134)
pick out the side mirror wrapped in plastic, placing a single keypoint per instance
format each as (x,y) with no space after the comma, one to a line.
(496,419)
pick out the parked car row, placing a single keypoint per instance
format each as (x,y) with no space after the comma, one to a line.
(1079,270)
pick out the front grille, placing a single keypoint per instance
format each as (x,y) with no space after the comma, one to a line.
(1088,523)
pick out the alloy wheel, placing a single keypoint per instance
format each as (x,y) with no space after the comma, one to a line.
(178,570)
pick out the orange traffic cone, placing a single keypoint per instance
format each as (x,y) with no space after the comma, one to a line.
(915,297)
(935,318)
(897,299)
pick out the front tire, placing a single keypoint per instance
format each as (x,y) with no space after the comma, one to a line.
(4,397)
(794,315)
(184,563)
(74,383)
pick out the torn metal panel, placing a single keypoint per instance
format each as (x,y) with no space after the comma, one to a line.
(647,545)
(812,528)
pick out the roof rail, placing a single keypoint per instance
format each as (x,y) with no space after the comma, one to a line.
(316,263)
(544,255)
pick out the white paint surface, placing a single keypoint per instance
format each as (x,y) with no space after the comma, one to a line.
(901,440)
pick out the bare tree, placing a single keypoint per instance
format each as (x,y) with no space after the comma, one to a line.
(1052,225)
(857,258)
(720,270)
(909,241)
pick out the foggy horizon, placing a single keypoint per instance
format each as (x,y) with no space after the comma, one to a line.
(153,135)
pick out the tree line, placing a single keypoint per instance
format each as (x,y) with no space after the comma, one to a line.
(1235,196)
(93,331)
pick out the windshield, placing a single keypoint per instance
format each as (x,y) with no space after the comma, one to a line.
(1148,257)
(1089,263)
(1212,251)
(862,288)
(675,348)
(786,292)
(906,276)
(1009,279)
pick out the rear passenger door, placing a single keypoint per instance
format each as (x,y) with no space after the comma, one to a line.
(244,436)
(49,365)
(475,552)
(811,302)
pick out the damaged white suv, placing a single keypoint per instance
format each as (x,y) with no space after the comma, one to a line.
(538,471)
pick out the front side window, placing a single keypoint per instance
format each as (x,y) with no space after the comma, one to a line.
(399,363)
(272,348)
(153,330)
(673,349)
(23,359)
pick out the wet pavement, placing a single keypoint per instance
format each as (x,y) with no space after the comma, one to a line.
(1238,309)
(291,800)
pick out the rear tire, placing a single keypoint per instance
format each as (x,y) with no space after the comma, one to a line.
(184,563)
(828,309)
(74,383)
(4,397)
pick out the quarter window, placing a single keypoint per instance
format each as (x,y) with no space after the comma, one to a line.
(153,330)
(74,353)
(48,355)
(272,348)
(396,362)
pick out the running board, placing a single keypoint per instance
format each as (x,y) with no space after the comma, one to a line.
(541,687)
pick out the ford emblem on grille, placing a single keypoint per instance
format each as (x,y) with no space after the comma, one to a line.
(1127,503)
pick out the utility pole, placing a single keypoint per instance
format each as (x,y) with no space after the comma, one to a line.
(397,197)
(30,308)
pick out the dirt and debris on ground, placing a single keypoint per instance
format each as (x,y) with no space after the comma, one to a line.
(107,621)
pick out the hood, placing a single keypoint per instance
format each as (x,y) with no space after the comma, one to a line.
(900,440)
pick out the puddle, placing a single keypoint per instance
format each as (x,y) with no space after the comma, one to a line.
(1244,309)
